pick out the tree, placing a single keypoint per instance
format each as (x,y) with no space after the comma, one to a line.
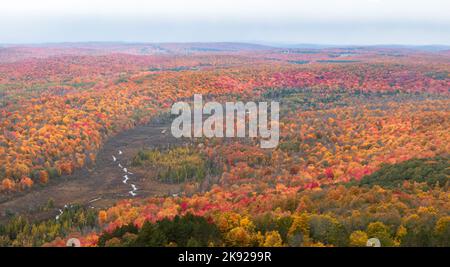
(358,239)
(298,233)
(150,236)
(328,230)
(238,237)
(442,231)
(380,231)
(113,242)
(7,184)
(102,217)
(26,182)
(272,239)
(43,177)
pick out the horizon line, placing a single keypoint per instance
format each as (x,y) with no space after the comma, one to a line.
(261,43)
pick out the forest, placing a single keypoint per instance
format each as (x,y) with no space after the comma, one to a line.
(363,151)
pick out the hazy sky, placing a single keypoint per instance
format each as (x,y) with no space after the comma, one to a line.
(285,21)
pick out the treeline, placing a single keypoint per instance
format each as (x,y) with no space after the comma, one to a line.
(188,230)
(300,229)
(21,232)
(176,165)
(433,171)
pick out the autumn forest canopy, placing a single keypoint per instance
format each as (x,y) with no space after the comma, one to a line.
(86,149)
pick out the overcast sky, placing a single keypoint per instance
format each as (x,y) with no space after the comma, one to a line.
(283,21)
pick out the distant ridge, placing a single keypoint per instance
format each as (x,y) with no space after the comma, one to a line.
(227,46)
(429,48)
